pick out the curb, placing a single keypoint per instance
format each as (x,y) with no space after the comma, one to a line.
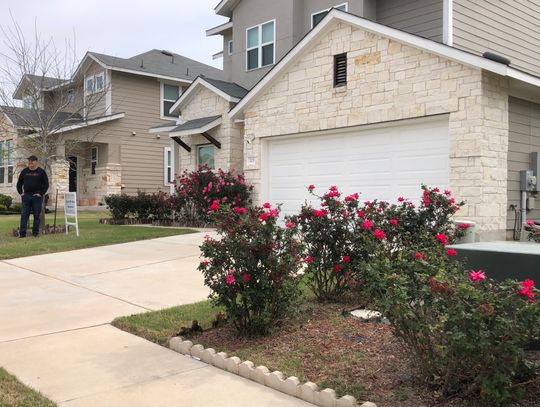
(275,380)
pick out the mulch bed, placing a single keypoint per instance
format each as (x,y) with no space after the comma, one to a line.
(163,223)
(334,350)
(47,230)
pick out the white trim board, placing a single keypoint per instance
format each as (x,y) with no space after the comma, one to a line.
(186,96)
(335,16)
(448,22)
(219,29)
(199,130)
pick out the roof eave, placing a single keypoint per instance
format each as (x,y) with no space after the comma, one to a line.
(198,130)
(220,29)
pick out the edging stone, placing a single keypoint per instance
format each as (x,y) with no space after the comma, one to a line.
(291,386)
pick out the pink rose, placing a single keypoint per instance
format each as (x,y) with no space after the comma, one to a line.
(246,278)
(451,252)
(263,217)
(311,187)
(379,234)
(274,213)
(447,192)
(426,201)
(401,199)
(346,259)
(360,214)
(464,226)
(530,223)
(230,279)
(337,268)
(320,213)
(240,211)
(289,225)
(393,222)
(367,225)
(477,276)
(442,239)
(309,259)
(267,205)
(426,193)
(419,256)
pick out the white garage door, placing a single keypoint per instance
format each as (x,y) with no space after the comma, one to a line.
(380,163)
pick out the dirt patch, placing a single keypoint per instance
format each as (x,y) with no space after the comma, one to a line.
(326,346)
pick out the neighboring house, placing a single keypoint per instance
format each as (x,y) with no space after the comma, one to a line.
(110,103)
(373,96)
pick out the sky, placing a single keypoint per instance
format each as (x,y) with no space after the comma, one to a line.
(121,28)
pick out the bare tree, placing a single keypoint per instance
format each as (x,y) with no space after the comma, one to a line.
(52,122)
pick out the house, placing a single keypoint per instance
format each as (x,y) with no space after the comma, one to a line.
(373,96)
(101,115)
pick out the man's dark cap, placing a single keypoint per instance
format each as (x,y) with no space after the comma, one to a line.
(32,158)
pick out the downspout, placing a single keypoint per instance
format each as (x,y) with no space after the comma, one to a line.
(448,22)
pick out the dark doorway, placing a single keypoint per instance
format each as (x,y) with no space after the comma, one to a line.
(72,174)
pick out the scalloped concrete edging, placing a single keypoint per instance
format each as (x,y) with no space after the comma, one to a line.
(276,380)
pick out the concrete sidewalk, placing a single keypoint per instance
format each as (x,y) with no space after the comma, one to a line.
(55,311)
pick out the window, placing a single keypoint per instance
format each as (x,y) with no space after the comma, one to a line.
(317,17)
(89,88)
(93,160)
(70,96)
(28,102)
(168,166)
(205,156)
(230,47)
(340,70)
(6,162)
(99,82)
(169,95)
(261,45)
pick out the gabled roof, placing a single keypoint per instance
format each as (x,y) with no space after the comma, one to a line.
(196,126)
(30,119)
(59,122)
(38,82)
(230,91)
(335,16)
(155,63)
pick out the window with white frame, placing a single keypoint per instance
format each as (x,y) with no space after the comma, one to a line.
(99,82)
(316,18)
(167,166)
(93,160)
(206,156)
(89,85)
(6,162)
(230,45)
(169,95)
(261,47)
(28,102)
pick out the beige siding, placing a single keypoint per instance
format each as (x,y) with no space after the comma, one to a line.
(141,154)
(524,139)
(507,27)
(419,17)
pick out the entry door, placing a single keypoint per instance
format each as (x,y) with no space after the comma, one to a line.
(72,173)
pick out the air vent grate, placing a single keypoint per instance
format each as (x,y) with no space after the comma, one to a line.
(340,70)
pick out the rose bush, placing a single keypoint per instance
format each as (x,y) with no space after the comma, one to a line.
(251,269)
(195,191)
(466,333)
(337,242)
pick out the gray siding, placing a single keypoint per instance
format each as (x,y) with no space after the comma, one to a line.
(420,17)
(524,138)
(507,27)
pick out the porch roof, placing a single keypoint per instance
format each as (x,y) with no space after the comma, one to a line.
(196,126)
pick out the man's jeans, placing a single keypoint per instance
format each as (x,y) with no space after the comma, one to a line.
(30,204)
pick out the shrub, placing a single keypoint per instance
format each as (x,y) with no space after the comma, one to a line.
(466,333)
(335,245)
(197,190)
(151,206)
(252,268)
(533,232)
(16,207)
(120,206)
(6,200)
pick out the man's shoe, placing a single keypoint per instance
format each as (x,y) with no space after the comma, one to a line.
(22,237)
(35,235)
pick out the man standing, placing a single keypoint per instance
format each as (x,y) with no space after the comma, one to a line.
(32,186)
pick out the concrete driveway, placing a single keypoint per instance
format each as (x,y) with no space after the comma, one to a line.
(55,335)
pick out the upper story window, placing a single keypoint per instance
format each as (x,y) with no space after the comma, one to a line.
(316,18)
(28,102)
(94,83)
(6,162)
(169,95)
(261,49)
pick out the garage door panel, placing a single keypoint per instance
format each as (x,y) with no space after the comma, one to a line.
(380,163)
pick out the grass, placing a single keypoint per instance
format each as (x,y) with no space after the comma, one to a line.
(15,394)
(92,234)
(159,326)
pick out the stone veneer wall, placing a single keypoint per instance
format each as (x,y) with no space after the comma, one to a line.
(206,103)
(94,188)
(391,81)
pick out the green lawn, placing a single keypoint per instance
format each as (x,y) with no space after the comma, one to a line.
(159,326)
(15,394)
(91,234)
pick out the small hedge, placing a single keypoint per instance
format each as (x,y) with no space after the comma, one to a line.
(5,202)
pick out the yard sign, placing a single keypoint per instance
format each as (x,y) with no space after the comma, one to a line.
(70,211)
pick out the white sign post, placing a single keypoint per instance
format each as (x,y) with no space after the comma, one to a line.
(70,211)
